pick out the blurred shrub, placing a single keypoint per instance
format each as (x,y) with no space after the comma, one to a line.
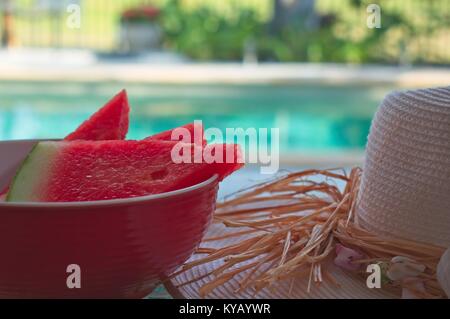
(204,34)
(412,31)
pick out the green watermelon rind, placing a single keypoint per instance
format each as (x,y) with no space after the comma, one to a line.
(9,196)
(33,167)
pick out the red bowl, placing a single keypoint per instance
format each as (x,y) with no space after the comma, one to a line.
(124,247)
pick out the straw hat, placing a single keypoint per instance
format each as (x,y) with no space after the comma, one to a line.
(405,189)
(404,194)
(443,272)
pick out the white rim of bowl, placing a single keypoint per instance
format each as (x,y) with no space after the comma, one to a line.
(105,202)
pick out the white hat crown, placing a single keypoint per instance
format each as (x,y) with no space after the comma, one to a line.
(405,189)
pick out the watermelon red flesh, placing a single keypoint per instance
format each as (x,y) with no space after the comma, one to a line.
(4,192)
(94,124)
(190,129)
(85,171)
(108,123)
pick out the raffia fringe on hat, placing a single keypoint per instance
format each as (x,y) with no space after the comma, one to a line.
(294,232)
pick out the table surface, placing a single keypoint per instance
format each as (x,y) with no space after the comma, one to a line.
(159,293)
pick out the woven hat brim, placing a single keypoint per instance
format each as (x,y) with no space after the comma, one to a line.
(350,286)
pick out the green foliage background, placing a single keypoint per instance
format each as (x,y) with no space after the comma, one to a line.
(413,31)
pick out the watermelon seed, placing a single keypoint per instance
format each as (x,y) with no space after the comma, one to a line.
(159,174)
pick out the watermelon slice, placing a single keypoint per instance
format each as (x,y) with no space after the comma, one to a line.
(108,123)
(86,170)
(190,128)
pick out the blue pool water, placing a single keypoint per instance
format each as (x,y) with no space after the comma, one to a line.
(311,118)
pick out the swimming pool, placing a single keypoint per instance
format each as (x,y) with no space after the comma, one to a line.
(312,118)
